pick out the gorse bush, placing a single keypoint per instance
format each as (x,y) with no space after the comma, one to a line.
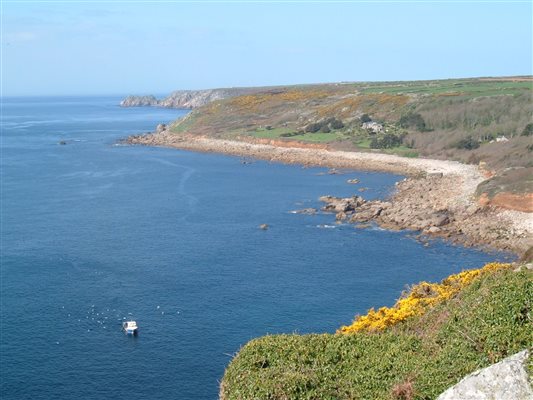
(466,322)
(421,297)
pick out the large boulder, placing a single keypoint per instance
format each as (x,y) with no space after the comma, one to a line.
(340,204)
(506,380)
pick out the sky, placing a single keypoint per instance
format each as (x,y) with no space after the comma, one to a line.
(132,47)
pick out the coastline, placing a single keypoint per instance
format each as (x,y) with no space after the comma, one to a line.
(437,198)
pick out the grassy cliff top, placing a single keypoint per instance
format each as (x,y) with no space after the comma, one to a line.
(419,357)
(477,120)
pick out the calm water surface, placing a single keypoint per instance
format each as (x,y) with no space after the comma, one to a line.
(93,233)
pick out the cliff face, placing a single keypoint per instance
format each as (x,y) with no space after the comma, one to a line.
(139,101)
(187,98)
(196,98)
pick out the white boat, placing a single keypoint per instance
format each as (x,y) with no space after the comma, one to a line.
(130,327)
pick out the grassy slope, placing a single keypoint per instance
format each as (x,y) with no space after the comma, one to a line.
(452,110)
(424,355)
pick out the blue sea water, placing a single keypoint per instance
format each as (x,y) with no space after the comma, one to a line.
(94,232)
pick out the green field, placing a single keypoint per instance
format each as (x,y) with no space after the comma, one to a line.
(460,88)
(277,133)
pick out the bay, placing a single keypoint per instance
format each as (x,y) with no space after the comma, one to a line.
(94,233)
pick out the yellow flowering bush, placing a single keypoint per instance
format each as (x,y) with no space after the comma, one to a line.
(420,298)
(254,101)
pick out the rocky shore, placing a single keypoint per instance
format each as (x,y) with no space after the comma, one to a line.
(436,199)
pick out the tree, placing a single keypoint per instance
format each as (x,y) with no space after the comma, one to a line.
(413,120)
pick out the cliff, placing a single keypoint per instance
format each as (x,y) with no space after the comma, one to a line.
(187,98)
(139,101)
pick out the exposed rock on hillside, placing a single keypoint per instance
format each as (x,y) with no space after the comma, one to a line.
(187,98)
(139,101)
(506,380)
(423,204)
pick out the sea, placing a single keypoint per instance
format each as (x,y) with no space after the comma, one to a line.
(95,232)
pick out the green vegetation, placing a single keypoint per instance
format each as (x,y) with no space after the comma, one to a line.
(320,137)
(413,120)
(468,143)
(456,119)
(386,141)
(365,118)
(528,130)
(517,180)
(272,133)
(459,87)
(415,359)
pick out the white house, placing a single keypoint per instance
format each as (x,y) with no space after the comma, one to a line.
(501,139)
(373,126)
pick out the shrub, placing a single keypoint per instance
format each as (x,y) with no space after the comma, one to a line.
(468,143)
(420,298)
(386,141)
(484,322)
(325,129)
(291,134)
(336,124)
(528,130)
(413,120)
(313,128)
(365,118)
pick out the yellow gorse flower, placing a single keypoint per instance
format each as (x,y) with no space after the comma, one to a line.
(418,300)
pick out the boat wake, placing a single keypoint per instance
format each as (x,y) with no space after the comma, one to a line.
(192,201)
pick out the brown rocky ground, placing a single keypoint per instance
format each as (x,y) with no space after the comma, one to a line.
(426,204)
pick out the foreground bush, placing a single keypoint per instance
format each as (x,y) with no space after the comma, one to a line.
(487,319)
(418,300)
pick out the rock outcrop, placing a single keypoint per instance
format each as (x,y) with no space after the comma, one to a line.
(160,128)
(139,101)
(506,380)
(422,204)
(187,98)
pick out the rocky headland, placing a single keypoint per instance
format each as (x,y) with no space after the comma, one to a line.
(437,198)
(186,98)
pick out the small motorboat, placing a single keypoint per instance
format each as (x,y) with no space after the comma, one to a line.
(130,327)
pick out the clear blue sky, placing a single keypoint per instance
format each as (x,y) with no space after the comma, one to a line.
(55,48)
